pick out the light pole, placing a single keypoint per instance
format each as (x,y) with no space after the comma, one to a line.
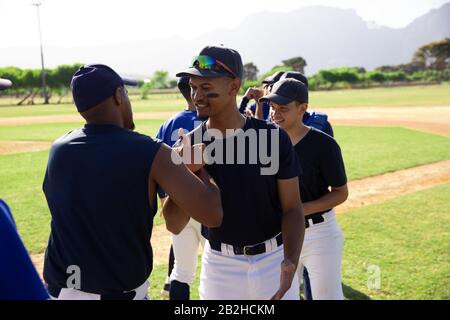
(44,85)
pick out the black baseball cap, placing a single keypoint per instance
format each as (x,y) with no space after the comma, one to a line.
(5,84)
(215,62)
(94,83)
(295,75)
(273,78)
(183,83)
(287,90)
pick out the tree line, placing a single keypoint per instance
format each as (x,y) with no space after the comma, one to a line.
(430,63)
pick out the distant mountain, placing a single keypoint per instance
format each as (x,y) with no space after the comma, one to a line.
(326,37)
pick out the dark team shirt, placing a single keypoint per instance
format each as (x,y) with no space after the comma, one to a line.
(96,185)
(322,164)
(168,132)
(185,119)
(251,206)
(265,106)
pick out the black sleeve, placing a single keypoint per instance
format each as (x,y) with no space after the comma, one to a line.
(289,163)
(328,129)
(332,164)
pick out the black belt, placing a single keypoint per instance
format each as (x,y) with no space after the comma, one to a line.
(55,291)
(246,250)
(315,217)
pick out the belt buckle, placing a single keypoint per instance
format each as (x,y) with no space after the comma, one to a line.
(246,248)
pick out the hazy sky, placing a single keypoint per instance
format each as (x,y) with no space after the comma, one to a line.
(88,22)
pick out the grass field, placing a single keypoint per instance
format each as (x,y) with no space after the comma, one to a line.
(367,152)
(406,238)
(408,244)
(386,97)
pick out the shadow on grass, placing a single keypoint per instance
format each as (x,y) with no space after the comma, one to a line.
(352,294)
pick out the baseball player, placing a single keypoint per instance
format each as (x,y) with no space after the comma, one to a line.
(185,244)
(253,254)
(323,168)
(100,185)
(256,109)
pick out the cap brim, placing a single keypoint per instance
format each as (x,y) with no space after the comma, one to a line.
(273,97)
(5,84)
(202,73)
(130,82)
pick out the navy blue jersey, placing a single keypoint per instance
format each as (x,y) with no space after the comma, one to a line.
(18,277)
(322,164)
(168,132)
(186,119)
(96,185)
(265,106)
(251,206)
(318,120)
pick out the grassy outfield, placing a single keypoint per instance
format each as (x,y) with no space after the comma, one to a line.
(408,244)
(367,152)
(370,151)
(385,97)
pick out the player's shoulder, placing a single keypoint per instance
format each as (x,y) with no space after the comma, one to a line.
(323,137)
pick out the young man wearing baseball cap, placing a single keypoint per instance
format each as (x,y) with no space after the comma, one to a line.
(253,254)
(318,120)
(323,185)
(100,185)
(256,109)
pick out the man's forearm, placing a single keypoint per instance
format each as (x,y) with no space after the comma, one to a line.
(176,219)
(293,231)
(328,201)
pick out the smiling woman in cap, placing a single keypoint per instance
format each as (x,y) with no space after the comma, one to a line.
(323,168)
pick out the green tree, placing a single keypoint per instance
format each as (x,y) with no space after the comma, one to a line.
(435,55)
(250,72)
(296,63)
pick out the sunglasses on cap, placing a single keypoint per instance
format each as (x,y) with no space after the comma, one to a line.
(210,63)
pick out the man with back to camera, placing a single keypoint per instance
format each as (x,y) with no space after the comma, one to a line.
(254,253)
(100,185)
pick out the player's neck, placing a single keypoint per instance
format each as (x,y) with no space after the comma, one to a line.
(230,118)
(191,107)
(297,133)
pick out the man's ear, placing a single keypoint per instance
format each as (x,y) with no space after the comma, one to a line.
(118,96)
(235,85)
(304,107)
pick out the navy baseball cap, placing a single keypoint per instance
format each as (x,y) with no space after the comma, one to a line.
(215,62)
(183,83)
(273,78)
(5,84)
(94,83)
(295,75)
(287,90)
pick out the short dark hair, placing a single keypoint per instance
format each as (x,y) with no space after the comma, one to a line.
(186,92)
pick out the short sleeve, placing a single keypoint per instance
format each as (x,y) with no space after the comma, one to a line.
(289,163)
(332,164)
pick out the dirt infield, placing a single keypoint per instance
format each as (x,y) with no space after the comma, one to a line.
(430,119)
(362,192)
(23,146)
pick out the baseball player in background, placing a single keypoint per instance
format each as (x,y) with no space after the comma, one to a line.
(254,253)
(323,186)
(185,244)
